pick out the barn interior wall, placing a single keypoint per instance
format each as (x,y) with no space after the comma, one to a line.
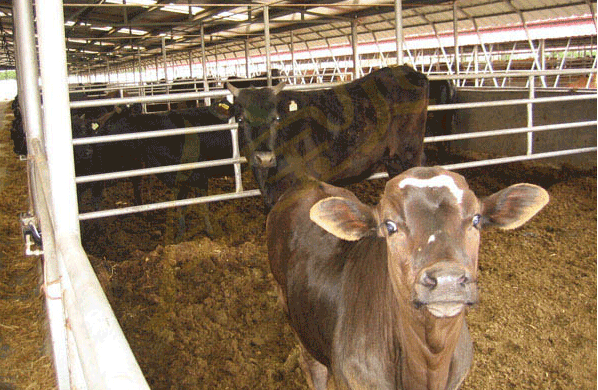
(514,116)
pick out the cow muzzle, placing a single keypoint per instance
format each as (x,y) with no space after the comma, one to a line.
(264,160)
(445,289)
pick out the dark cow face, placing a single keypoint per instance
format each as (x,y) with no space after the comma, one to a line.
(431,222)
(258,118)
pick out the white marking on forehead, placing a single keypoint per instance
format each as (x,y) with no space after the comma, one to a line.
(431,239)
(436,181)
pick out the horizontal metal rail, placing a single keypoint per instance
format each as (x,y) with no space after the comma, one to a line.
(152,134)
(519,130)
(233,127)
(169,204)
(511,102)
(161,169)
(504,160)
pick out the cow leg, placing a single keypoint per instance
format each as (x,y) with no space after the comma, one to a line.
(136,181)
(204,209)
(412,157)
(315,372)
(97,189)
(181,193)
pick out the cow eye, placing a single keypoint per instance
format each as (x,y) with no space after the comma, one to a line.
(391,227)
(476,221)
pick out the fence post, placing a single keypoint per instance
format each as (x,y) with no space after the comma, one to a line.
(530,115)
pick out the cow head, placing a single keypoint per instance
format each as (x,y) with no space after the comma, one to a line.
(431,222)
(255,109)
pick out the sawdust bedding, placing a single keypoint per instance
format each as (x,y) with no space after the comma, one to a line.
(202,313)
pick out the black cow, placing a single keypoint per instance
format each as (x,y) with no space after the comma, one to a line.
(170,150)
(441,122)
(80,118)
(261,80)
(337,135)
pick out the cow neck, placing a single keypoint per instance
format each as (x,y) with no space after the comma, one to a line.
(427,346)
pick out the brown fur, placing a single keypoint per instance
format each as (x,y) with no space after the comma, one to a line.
(385,308)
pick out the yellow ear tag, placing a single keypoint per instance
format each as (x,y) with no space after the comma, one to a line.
(292,106)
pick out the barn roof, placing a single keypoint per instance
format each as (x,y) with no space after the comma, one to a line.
(120,31)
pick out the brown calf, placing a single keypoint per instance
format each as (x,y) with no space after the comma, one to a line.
(377,295)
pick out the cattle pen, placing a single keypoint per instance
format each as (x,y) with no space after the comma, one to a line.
(523,116)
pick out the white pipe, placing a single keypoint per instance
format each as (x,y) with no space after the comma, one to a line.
(107,361)
(102,346)
(399,30)
(519,130)
(153,134)
(503,160)
(161,169)
(530,115)
(164,205)
(38,174)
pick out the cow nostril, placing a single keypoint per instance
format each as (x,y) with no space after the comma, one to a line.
(429,281)
(463,280)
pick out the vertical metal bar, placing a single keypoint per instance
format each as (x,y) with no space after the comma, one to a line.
(27,72)
(355,49)
(267,43)
(542,54)
(204,65)
(399,30)
(108,70)
(293,64)
(476,65)
(504,80)
(530,115)
(165,65)
(456,38)
(157,66)
(57,118)
(30,105)
(247,58)
(234,133)
(562,64)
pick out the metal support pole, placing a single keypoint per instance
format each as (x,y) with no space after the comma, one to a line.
(293,64)
(530,115)
(108,71)
(247,70)
(30,105)
(204,66)
(27,72)
(399,30)
(57,118)
(541,54)
(355,49)
(267,37)
(456,37)
(164,64)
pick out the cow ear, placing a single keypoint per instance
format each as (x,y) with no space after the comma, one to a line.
(344,218)
(222,109)
(276,89)
(234,90)
(513,206)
